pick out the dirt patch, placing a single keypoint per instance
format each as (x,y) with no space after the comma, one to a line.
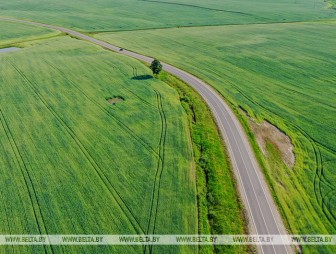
(115,99)
(266,132)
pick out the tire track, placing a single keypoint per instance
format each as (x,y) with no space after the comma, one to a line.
(324,202)
(1,193)
(319,178)
(158,176)
(327,202)
(330,149)
(199,7)
(27,179)
(4,206)
(102,176)
(330,198)
(324,179)
(162,148)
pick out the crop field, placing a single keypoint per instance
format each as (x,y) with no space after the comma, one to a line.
(107,15)
(284,73)
(11,33)
(71,163)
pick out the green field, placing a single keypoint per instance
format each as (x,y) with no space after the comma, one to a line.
(107,15)
(272,59)
(75,164)
(280,72)
(12,33)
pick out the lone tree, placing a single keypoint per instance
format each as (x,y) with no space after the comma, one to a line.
(156,67)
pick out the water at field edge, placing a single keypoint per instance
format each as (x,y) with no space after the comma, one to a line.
(7,50)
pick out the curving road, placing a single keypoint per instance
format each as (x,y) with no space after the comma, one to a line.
(264,218)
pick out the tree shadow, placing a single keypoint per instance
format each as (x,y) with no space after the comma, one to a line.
(142,77)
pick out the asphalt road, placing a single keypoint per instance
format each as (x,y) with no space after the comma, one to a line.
(264,218)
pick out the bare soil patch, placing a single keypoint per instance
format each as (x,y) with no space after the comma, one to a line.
(115,99)
(265,131)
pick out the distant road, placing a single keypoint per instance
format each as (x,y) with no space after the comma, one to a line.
(264,217)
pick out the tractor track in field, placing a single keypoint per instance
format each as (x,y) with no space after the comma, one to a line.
(325,205)
(319,169)
(102,176)
(319,178)
(327,198)
(27,179)
(163,138)
(330,149)
(4,204)
(199,7)
(158,175)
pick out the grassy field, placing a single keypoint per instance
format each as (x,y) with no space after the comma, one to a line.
(75,164)
(107,15)
(280,72)
(13,33)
